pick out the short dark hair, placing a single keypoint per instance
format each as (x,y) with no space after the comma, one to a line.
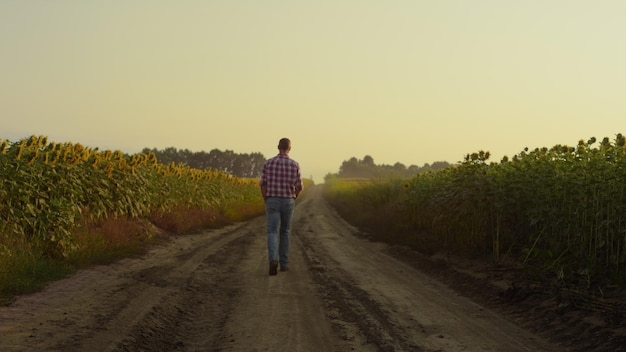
(284,144)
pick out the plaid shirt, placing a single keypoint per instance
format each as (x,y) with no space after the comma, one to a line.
(281,176)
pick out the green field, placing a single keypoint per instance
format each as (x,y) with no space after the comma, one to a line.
(560,211)
(64,206)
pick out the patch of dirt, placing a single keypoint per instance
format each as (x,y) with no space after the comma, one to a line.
(211,291)
(579,319)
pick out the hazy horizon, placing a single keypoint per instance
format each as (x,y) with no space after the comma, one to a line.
(401,81)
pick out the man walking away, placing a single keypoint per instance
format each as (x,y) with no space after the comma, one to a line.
(281,183)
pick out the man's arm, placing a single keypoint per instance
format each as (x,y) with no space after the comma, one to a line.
(299,185)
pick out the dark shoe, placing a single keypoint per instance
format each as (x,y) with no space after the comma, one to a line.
(284,268)
(273,267)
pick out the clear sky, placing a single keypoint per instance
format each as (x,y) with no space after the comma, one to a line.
(412,81)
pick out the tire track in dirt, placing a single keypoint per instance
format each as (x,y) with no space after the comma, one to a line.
(127,305)
(193,316)
(390,306)
(354,313)
(351,309)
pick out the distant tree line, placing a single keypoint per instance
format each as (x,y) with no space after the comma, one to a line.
(366,168)
(240,165)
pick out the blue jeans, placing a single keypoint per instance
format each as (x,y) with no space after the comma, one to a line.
(279,212)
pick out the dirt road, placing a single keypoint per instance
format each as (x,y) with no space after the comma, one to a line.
(210,292)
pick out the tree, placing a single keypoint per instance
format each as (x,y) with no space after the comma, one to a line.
(240,165)
(366,168)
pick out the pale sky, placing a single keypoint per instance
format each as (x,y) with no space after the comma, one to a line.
(410,81)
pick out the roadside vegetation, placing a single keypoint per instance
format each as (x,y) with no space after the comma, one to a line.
(64,206)
(559,213)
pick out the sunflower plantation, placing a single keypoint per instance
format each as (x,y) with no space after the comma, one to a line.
(560,211)
(63,202)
